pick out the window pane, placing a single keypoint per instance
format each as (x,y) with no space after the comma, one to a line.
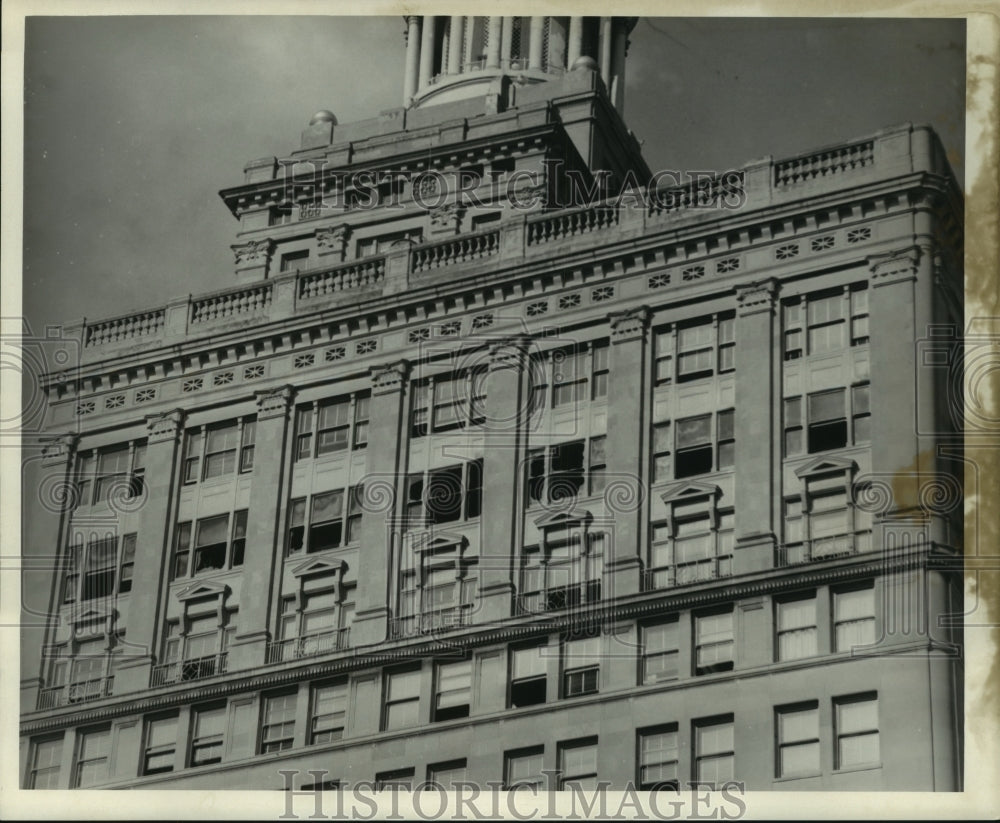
(528,662)
(802,758)
(212,530)
(859,716)
(796,614)
(854,604)
(694,430)
(827,405)
(327,506)
(798,725)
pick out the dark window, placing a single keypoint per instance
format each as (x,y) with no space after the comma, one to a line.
(694,446)
(294,260)
(527,676)
(827,421)
(453,692)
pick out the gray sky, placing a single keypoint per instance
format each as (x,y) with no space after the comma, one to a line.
(133,124)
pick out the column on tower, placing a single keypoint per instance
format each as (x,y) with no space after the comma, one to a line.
(619,45)
(757,397)
(575,48)
(495,37)
(506,41)
(427,50)
(455,44)
(535,57)
(605,50)
(412,57)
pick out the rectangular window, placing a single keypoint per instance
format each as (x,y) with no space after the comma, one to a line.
(704,348)
(219,449)
(714,643)
(853,618)
(825,316)
(714,753)
(447,775)
(99,572)
(523,769)
(663,367)
(112,469)
(581,666)
(856,719)
(290,261)
(126,564)
(859,314)
(658,756)
(329,710)
(93,754)
(402,699)
(330,527)
(278,724)
(161,744)
(45,763)
(448,402)
(330,426)
(793,425)
(445,495)
(182,549)
(369,246)
(578,765)
(528,668)
(217,545)
(696,437)
(796,627)
(660,652)
(662,449)
(221,442)
(453,692)
(827,418)
(600,366)
(247,445)
(561,471)
(798,739)
(394,780)
(827,421)
(860,415)
(208,731)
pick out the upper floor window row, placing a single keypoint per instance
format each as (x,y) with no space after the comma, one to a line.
(448,402)
(118,469)
(334,425)
(102,568)
(219,543)
(571,375)
(566,470)
(695,349)
(219,449)
(833,419)
(826,321)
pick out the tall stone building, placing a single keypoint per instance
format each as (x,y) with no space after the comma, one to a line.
(483,470)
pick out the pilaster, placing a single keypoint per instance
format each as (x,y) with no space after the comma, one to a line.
(253,259)
(757,398)
(264,524)
(331,243)
(506,416)
(388,445)
(627,445)
(152,547)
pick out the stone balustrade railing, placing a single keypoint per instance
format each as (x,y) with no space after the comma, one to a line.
(759,185)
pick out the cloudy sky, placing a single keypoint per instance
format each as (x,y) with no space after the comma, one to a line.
(134,124)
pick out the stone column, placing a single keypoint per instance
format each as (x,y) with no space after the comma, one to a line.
(152,549)
(388,435)
(331,243)
(253,260)
(455,41)
(758,403)
(575,48)
(506,39)
(506,413)
(605,51)
(426,51)
(627,446)
(619,47)
(265,520)
(412,57)
(535,57)
(493,46)
(43,559)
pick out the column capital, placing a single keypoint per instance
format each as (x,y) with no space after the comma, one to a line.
(894,266)
(58,449)
(164,426)
(333,239)
(273,402)
(253,253)
(390,377)
(445,218)
(508,353)
(756,297)
(629,324)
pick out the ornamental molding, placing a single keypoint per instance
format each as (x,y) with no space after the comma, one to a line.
(629,324)
(332,238)
(58,449)
(826,465)
(319,565)
(689,490)
(390,378)
(165,426)
(273,402)
(551,520)
(894,266)
(253,253)
(509,353)
(198,590)
(446,216)
(756,297)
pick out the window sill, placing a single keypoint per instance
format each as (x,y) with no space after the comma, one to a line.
(863,767)
(793,777)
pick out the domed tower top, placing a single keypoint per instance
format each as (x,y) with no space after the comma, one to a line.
(455,58)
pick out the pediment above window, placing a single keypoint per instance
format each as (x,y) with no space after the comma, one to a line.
(96,619)
(689,490)
(826,465)
(319,565)
(426,544)
(557,519)
(200,590)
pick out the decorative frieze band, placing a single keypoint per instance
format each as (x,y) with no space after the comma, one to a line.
(274,402)
(629,324)
(165,426)
(756,297)
(389,378)
(894,266)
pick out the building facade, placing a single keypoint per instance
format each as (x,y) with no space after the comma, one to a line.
(486,471)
